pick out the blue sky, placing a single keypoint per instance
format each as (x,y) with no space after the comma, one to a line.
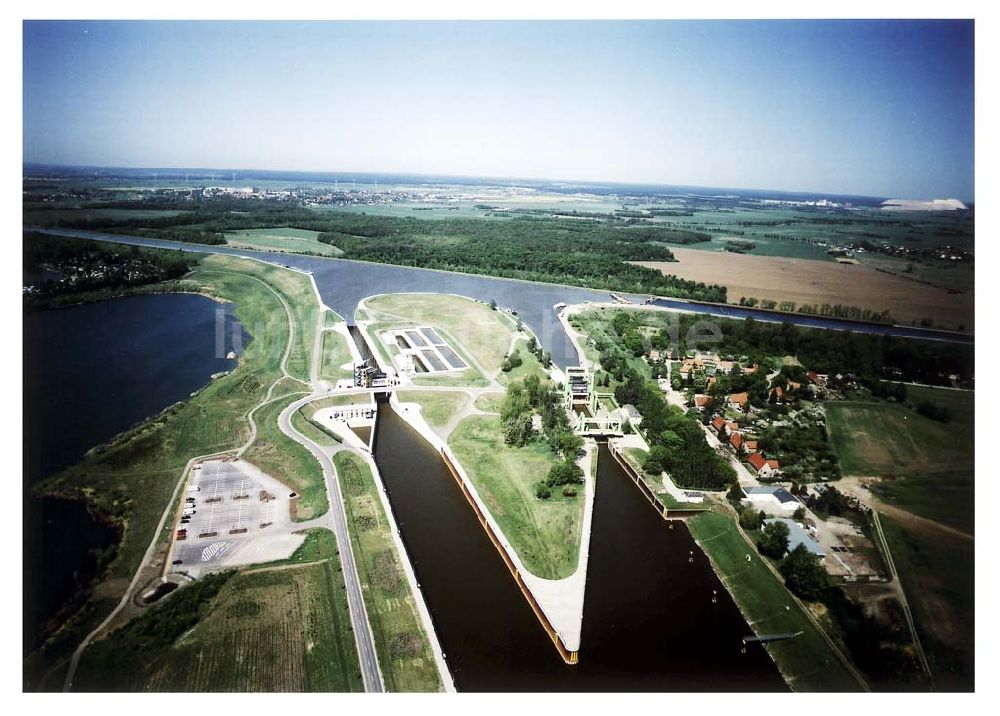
(876,108)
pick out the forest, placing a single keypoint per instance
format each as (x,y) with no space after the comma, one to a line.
(567,251)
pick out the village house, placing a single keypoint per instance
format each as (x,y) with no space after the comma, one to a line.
(764,468)
(718,425)
(737,401)
(736,440)
(702,401)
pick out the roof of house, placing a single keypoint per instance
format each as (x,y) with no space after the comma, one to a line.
(750,445)
(797,536)
(718,423)
(736,440)
(702,400)
(738,398)
(774,464)
(757,460)
(780,493)
(732,426)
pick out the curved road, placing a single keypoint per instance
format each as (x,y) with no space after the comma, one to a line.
(337,519)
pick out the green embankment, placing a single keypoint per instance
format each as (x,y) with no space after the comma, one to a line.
(133,478)
(281,628)
(336,355)
(807,661)
(544,533)
(404,651)
(284,459)
(438,407)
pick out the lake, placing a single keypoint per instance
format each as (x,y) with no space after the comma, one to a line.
(91,372)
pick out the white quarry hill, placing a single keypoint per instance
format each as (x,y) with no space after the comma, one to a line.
(923,205)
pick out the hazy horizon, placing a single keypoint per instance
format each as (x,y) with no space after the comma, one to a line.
(862,108)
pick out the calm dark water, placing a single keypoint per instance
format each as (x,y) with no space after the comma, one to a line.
(649,622)
(90,372)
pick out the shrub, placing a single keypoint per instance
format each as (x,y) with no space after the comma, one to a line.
(569,491)
(542,491)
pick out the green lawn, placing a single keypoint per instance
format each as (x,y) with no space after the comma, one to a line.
(544,533)
(937,573)
(281,239)
(336,355)
(284,459)
(806,661)
(437,407)
(529,365)
(484,333)
(489,402)
(404,651)
(892,439)
(134,477)
(282,629)
(313,430)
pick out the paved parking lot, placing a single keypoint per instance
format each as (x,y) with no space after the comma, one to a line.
(239,515)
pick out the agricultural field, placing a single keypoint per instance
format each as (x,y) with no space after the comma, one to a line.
(133,478)
(806,662)
(486,334)
(937,572)
(286,239)
(544,533)
(404,651)
(882,438)
(808,282)
(275,628)
(438,407)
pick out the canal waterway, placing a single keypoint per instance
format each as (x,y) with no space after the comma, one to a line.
(649,624)
(343,284)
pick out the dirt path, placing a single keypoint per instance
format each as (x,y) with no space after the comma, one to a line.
(856,486)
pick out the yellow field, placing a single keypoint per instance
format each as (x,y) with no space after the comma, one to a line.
(808,282)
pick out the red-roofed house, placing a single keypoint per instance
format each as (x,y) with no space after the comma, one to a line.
(700,401)
(732,427)
(737,401)
(718,424)
(736,440)
(749,446)
(764,468)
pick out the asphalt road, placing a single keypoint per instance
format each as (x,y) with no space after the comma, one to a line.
(367,657)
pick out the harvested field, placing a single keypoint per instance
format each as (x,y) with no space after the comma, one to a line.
(818,282)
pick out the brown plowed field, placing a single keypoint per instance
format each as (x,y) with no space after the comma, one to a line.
(808,282)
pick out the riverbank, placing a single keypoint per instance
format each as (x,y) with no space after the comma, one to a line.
(137,475)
